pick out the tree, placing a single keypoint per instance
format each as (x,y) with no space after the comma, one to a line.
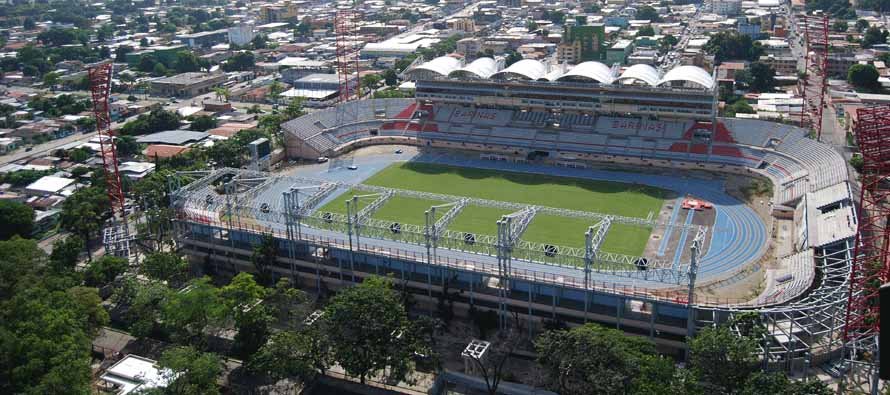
(190,371)
(143,42)
(50,80)
(159,70)
(265,255)
(512,57)
(275,90)
(146,63)
(271,123)
(45,340)
(727,45)
(368,330)
(164,266)
(778,383)
(531,25)
(80,155)
(667,42)
(29,24)
(259,41)
(187,61)
(591,359)
(722,359)
(581,20)
(65,254)
(294,109)
(874,35)
(203,122)
(390,77)
(84,212)
(17,219)
(305,354)
(647,13)
(840,26)
(762,77)
(861,25)
(127,146)
(104,270)
(646,31)
(89,305)
(120,54)
(189,313)
(863,76)
(242,61)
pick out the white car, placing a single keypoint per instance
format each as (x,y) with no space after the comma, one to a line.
(352,167)
(322,159)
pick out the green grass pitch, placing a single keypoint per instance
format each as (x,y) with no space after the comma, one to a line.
(560,192)
(397,209)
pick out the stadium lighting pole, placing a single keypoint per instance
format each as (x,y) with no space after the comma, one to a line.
(588,257)
(349,226)
(690,314)
(430,216)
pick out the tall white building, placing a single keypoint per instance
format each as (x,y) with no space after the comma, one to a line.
(727,7)
(241,34)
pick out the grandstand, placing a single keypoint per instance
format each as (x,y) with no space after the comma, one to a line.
(535,119)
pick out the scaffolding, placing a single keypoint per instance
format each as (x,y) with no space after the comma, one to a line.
(117,235)
(813,87)
(347,41)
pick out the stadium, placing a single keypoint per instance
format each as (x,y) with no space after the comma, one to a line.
(556,193)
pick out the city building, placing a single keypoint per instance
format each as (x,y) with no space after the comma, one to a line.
(581,43)
(727,7)
(619,52)
(784,65)
(241,34)
(281,12)
(204,39)
(187,84)
(467,25)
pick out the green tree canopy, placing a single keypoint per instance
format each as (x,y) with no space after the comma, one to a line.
(863,76)
(103,270)
(873,36)
(648,13)
(722,359)
(17,219)
(203,122)
(191,371)
(368,330)
(164,266)
(731,45)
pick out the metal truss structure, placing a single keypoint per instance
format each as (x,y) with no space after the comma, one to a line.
(871,258)
(244,190)
(346,30)
(813,87)
(117,235)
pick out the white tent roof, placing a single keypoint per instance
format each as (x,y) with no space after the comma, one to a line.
(442,65)
(479,68)
(529,69)
(640,72)
(690,74)
(595,71)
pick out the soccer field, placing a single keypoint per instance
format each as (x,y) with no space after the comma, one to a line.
(559,192)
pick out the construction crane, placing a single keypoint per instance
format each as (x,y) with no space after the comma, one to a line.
(117,235)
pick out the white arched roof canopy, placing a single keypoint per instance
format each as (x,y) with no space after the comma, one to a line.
(692,74)
(595,71)
(640,72)
(526,69)
(481,68)
(442,65)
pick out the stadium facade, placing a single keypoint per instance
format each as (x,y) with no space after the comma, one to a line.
(561,117)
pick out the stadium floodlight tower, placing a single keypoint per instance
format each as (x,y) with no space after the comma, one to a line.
(871,259)
(116,236)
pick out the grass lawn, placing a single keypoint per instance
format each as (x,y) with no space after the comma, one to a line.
(561,192)
(478,219)
(397,209)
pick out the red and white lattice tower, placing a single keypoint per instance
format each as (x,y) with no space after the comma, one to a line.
(871,266)
(100,88)
(348,45)
(813,87)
